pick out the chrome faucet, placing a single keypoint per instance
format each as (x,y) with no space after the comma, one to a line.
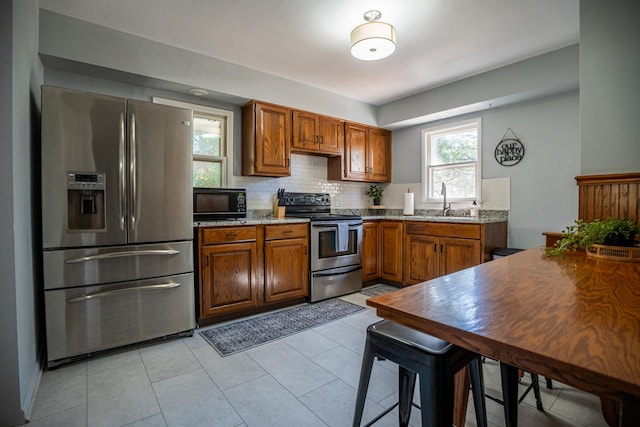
(446,211)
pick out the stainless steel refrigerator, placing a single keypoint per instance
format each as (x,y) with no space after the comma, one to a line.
(116,222)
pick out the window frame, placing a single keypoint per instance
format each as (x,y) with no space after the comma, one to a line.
(227,135)
(451,127)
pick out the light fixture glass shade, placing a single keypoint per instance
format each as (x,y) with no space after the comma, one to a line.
(373,40)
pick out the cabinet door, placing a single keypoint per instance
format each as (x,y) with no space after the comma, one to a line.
(272,140)
(458,254)
(355,152)
(305,131)
(228,278)
(370,251)
(331,135)
(379,155)
(421,258)
(286,269)
(391,242)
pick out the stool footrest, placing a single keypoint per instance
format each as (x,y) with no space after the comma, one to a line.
(385,412)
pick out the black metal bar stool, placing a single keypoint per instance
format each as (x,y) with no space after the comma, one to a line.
(435,360)
(535,386)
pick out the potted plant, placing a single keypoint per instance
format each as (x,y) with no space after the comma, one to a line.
(375,192)
(612,232)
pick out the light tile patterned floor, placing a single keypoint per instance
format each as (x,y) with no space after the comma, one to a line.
(307,379)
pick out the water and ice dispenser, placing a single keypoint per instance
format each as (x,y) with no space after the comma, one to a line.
(85,201)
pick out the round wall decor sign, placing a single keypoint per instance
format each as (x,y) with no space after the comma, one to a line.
(509,151)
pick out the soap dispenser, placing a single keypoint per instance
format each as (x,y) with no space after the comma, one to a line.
(474,211)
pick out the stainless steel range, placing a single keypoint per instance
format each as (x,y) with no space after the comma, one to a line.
(336,245)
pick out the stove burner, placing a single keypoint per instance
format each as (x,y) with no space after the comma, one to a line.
(323,216)
(315,206)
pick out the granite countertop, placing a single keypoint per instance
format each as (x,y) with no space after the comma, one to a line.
(431,218)
(249,221)
(266,221)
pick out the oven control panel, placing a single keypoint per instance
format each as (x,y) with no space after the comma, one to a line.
(305,199)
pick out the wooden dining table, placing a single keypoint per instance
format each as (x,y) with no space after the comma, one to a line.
(574,319)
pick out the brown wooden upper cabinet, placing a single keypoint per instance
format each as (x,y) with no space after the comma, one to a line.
(266,139)
(316,134)
(367,155)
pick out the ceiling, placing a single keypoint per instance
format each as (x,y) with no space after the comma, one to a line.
(307,41)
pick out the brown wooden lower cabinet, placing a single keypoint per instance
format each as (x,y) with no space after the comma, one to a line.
(431,256)
(382,250)
(245,269)
(228,280)
(434,249)
(421,258)
(286,261)
(370,251)
(410,252)
(228,263)
(391,250)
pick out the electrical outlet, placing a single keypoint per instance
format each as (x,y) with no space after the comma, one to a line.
(337,200)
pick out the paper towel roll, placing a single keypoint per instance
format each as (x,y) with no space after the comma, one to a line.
(407,206)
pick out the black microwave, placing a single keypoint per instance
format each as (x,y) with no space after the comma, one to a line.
(219,203)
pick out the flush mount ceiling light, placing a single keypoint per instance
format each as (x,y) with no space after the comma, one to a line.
(374,39)
(198,92)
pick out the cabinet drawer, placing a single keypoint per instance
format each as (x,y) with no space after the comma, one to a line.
(228,234)
(467,231)
(285,231)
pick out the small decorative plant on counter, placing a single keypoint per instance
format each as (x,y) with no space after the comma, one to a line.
(613,231)
(375,192)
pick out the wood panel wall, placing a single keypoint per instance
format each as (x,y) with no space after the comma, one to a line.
(613,195)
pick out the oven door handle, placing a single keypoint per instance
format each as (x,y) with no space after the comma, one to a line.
(356,268)
(331,226)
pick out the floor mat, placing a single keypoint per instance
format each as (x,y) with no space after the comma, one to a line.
(245,334)
(376,290)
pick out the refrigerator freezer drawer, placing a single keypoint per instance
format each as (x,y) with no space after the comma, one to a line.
(91,266)
(90,319)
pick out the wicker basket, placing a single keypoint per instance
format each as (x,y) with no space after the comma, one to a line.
(615,253)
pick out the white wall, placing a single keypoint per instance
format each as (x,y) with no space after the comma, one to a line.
(610,86)
(27,76)
(10,413)
(21,333)
(69,39)
(544,195)
(543,189)
(544,75)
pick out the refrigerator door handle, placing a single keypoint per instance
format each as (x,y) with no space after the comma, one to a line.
(123,180)
(121,255)
(132,168)
(162,286)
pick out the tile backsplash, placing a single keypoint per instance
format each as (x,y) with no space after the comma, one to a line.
(309,174)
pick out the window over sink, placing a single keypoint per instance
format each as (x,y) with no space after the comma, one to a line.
(451,153)
(212,143)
